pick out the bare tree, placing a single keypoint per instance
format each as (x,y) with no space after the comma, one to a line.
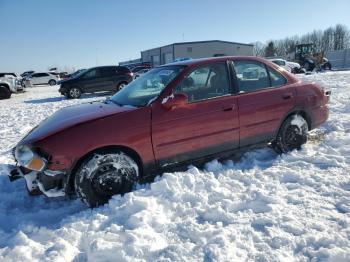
(259,49)
(332,38)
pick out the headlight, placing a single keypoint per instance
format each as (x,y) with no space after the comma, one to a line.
(29,159)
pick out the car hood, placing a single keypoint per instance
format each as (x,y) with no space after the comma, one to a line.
(72,116)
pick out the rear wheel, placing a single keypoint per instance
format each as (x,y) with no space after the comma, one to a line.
(307,66)
(52,82)
(5,93)
(292,134)
(103,175)
(74,92)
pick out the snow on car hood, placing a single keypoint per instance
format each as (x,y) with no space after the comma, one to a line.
(71,116)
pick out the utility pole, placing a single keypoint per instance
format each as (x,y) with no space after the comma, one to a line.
(96,57)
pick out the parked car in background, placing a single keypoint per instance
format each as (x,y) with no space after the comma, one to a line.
(27,73)
(63,75)
(5,91)
(139,68)
(141,72)
(12,81)
(96,79)
(287,65)
(42,78)
(174,115)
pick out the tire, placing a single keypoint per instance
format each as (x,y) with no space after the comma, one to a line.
(5,93)
(307,66)
(121,85)
(103,175)
(74,92)
(52,82)
(292,134)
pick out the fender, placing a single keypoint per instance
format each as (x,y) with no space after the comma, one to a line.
(297,109)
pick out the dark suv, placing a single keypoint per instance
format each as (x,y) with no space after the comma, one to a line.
(96,79)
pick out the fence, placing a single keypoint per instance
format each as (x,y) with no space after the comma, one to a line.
(339,59)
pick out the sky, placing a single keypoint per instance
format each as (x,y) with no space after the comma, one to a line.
(76,34)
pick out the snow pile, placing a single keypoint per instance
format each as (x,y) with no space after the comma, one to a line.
(262,207)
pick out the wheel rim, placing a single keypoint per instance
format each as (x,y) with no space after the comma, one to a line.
(110,178)
(121,86)
(74,92)
(293,138)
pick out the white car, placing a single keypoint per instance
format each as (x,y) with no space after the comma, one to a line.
(287,65)
(12,81)
(42,79)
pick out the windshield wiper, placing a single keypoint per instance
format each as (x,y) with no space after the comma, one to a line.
(111,100)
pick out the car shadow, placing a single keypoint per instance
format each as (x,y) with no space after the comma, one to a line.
(45,100)
(61,98)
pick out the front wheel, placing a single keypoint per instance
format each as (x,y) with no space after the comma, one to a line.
(103,175)
(292,134)
(5,93)
(74,92)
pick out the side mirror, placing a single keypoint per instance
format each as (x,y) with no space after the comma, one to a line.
(175,100)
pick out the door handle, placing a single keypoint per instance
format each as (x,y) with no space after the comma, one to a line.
(228,108)
(287,96)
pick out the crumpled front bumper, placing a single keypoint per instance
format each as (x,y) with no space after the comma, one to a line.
(49,183)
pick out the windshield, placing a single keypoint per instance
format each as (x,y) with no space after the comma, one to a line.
(78,73)
(147,87)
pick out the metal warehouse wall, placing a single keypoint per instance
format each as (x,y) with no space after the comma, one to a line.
(339,59)
(209,49)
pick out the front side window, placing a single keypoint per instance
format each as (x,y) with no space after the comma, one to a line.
(206,82)
(147,87)
(276,78)
(251,76)
(91,74)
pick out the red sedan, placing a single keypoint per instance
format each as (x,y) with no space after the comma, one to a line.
(174,114)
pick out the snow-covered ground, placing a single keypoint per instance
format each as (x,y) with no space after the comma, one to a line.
(263,207)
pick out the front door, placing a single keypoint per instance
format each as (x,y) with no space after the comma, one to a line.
(207,125)
(91,80)
(264,98)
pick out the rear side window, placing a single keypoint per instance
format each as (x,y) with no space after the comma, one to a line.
(108,71)
(251,76)
(276,78)
(39,75)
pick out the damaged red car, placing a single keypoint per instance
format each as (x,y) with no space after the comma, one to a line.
(175,114)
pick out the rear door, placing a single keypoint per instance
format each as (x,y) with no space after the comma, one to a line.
(264,98)
(107,79)
(38,78)
(207,125)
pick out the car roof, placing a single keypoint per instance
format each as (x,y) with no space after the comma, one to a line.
(215,59)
